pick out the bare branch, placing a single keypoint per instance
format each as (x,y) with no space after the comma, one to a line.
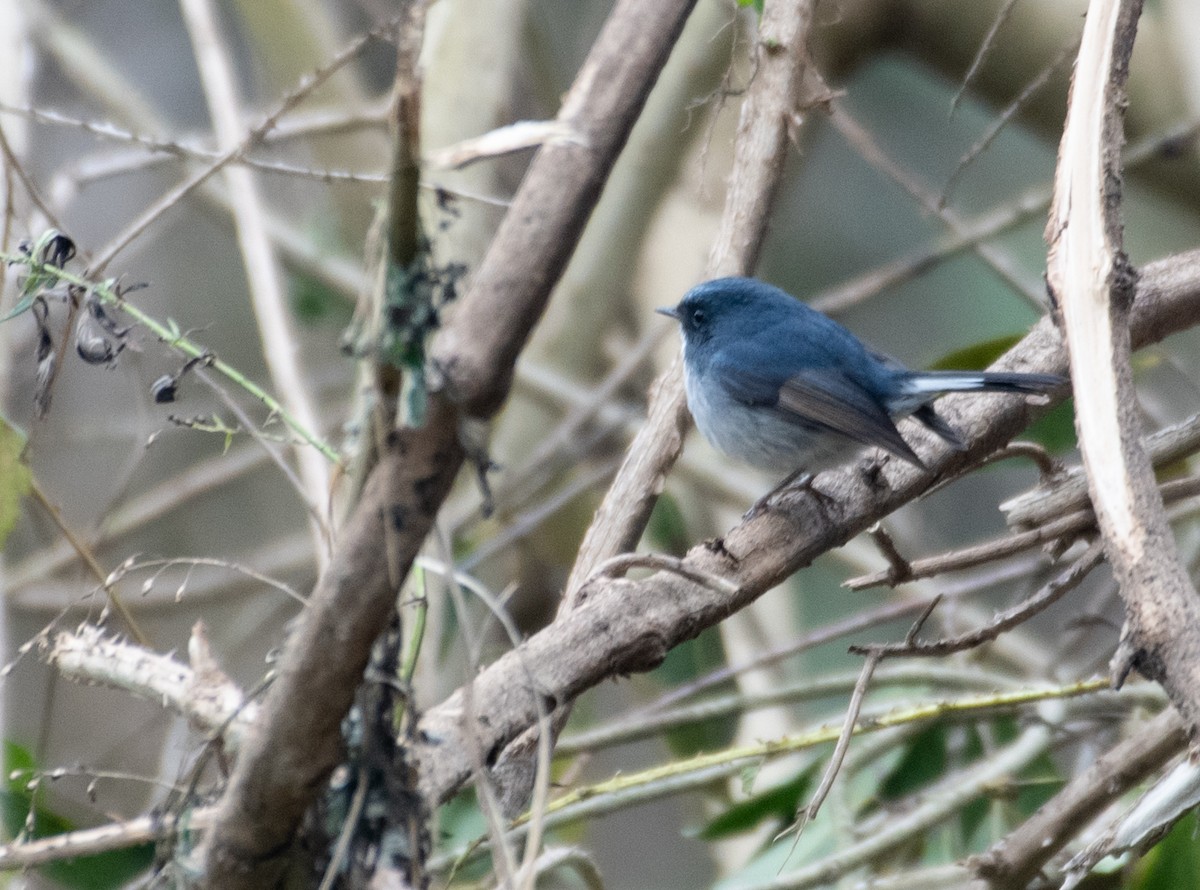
(210,701)
(1016,860)
(1055,532)
(90,841)
(297,742)
(1056,496)
(1094,284)
(1005,621)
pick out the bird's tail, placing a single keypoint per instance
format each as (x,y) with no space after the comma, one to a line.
(919,388)
(929,384)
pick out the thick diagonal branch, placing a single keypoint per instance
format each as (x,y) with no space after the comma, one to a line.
(297,743)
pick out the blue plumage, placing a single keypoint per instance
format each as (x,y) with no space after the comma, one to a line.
(779,385)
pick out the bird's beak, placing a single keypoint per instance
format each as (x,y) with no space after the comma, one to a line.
(668,311)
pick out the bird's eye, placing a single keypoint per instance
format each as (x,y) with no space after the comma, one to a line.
(699,316)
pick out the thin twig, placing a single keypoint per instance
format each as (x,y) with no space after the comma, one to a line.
(13,163)
(86,555)
(826,871)
(1005,621)
(846,627)
(1056,532)
(1059,495)
(303,89)
(1006,115)
(618,566)
(853,709)
(267,291)
(133,564)
(980,554)
(899,569)
(311,506)
(527,522)
(91,841)
(642,725)
(868,147)
(522,482)
(985,48)
(159,150)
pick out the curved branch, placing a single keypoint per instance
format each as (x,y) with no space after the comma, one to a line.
(1093,282)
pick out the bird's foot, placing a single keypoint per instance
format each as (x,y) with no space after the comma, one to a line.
(800,480)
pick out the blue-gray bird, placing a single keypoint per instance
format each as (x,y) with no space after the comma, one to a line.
(781,386)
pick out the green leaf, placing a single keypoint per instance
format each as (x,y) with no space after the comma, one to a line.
(103,871)
(1174,861)
(667,528)
(690,660)
(1055,430)
(314,301)
(23,305)
(16,760)
(1039,782)
(757,4)
(777,805)
(973,825)
(15,477)
(460,821)
(684,663)
(748,775)
(977,356)
(924,761)
(414,397)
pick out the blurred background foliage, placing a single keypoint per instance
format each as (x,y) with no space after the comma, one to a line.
(136,482)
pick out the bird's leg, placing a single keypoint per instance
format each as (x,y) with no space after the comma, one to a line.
(801,479)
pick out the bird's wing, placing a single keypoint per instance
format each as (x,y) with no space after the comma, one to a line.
(829,398)
(825,397)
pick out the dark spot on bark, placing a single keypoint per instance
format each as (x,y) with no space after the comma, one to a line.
(493,755)
(1149,663)
(426,489)
(1125,277)
(398,516)
(872,474)
(647,653)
